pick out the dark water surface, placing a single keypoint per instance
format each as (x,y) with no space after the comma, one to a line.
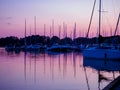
(68,71)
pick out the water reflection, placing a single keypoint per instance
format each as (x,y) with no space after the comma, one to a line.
(102,66)
(25,65)
(46,71)
(86,77)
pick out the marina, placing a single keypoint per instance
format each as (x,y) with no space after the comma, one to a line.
(60,45)
(55,71)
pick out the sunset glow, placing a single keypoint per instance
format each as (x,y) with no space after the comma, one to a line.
(14,12)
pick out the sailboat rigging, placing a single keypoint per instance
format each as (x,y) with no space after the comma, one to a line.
(102,51)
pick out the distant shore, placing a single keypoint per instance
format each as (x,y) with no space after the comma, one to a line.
(49,41)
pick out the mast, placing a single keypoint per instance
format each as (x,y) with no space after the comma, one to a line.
(35,24)
(91,18)
(71,34)
(59,31)
(44,29)
(50,31)
(64,30)
(100,16)
(74,34)
(25,35)
(30,33)
(53,27)
(35,27)
(117,24)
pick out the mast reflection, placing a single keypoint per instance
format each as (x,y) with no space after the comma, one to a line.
(25,66)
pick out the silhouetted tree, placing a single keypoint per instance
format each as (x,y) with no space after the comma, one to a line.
(66,40)
(54,40)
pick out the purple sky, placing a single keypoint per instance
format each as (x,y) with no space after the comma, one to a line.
(14,12)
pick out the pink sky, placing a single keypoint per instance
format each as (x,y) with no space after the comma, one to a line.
(13,14)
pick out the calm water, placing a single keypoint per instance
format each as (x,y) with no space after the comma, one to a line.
(54,72)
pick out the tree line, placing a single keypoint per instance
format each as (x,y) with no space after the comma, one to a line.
(46,40)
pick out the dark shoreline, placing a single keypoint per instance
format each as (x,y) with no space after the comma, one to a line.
(46,40)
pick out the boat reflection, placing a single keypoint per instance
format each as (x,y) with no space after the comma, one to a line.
(48,71)
(102,66)
(57,61)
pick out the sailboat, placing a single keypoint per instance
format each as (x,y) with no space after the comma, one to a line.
(57,47)
(35,47)
(102,51)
